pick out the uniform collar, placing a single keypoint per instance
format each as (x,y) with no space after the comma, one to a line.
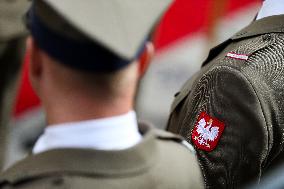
(271,24)
(136,159)
(267,25)
(271,8)
(113,133)
(96,163)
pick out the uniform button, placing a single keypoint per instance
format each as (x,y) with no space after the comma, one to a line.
(266,37)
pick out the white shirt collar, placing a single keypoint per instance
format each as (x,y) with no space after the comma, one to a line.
(113,133)
(271,8)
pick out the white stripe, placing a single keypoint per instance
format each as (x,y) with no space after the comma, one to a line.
(238,56)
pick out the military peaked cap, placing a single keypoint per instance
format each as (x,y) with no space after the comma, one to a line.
(96,35)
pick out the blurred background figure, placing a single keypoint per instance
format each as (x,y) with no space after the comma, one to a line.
(12,43)
(28,119)
(187,32)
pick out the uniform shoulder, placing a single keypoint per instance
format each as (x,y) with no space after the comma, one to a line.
(177,155)
(166,138)
(243,52)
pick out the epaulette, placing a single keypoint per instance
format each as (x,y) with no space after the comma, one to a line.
(164,135)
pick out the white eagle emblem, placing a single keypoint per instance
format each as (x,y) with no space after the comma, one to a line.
(206,132)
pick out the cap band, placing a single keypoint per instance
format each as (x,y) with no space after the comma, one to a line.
(88,56)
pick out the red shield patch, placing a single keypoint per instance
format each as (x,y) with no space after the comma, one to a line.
(207,132)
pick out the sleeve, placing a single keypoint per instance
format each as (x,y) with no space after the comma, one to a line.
(224,99)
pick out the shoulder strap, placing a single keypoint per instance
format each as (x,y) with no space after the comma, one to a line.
(164,135)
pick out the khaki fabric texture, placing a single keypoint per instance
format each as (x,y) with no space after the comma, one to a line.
(108,22)
(11,18)
(160,161)
(247,95)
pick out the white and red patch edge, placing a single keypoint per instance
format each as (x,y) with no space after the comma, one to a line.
(237,56)
(207,132)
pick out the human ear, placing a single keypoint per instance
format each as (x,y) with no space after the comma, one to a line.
(35,64)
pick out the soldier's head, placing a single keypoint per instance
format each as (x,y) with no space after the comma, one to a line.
(90,47)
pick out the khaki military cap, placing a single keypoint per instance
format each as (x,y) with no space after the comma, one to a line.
(120,26)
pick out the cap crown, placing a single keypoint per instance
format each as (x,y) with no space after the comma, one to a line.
(119,25)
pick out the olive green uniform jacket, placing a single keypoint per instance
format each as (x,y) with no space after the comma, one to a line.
(240,85)
(160,161)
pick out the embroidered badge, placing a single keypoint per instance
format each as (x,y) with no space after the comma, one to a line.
(207,132)
(237,56)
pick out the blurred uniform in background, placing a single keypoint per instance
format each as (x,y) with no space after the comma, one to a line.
(12,43)
(232,110)
(85,68)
